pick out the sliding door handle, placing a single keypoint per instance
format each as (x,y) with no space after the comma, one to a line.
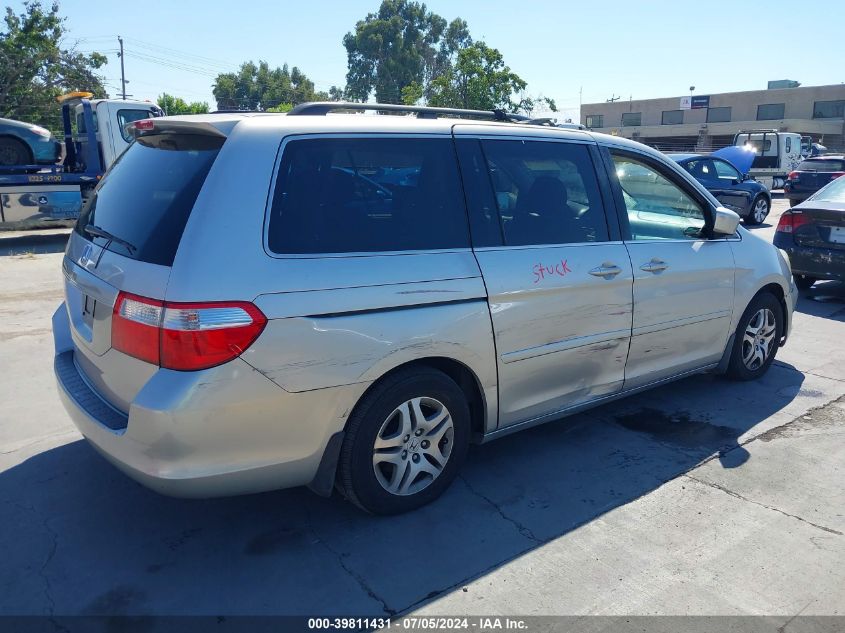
(606,270)
(655,266)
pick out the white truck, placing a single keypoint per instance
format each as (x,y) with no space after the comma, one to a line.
(94,137)
(777,154)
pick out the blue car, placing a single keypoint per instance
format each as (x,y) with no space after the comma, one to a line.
(26,144)
(736,191)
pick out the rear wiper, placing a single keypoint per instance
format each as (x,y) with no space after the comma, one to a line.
(96,231)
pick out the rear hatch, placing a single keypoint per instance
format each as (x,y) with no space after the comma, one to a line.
(822,225)
(811,175)
(125,241)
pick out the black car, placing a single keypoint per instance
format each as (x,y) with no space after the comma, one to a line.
(738,192)
(813,234)
(811,175)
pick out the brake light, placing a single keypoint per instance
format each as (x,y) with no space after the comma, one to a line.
(791,220)
(144,124)
(793,175)
(184,336)
(837,174)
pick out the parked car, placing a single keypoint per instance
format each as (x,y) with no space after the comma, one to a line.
(340,332)
(26,144)
(813,234)
(811,175)
(738,192)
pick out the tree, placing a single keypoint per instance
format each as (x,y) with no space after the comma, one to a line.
(258,87)
(175,105)
(391,50)
(35,66)
(479,79)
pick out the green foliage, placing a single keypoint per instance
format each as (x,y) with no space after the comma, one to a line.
(282,107)
(407,54)
(176,105)
(36,66)
(258,87)
(391,49)
(479,79)
(528,105)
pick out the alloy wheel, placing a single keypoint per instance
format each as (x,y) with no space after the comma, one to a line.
(761,210)
(759,339)
(413,446)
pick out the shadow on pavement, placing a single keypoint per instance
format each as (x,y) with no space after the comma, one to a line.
(32,243)
(825,299)
(78,537)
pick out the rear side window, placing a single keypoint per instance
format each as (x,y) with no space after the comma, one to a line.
(546,192)
(348,195)
(146,197)
(826,164)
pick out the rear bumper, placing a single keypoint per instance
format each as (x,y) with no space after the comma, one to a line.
(223,431)
(820,263)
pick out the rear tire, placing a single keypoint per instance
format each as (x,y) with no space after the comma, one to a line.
(757,338)
(803,282)
(405,442)
(14,152)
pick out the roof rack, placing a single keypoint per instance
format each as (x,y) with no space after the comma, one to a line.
(321,108)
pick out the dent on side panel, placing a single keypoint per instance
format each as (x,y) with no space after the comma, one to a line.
(316,352)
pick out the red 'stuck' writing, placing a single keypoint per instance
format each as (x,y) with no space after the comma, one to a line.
(541,271)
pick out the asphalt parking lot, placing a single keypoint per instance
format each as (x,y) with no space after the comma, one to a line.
(701,497)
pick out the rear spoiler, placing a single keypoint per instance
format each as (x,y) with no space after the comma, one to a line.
(167,125)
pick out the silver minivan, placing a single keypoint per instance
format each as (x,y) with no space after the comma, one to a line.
(257,301)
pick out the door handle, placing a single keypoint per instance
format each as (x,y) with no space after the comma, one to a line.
(606,270)
(655,266)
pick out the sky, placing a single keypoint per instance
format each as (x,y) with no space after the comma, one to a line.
(575,53)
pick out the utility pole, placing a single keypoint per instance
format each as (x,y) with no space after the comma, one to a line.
(122,73)
(613,98)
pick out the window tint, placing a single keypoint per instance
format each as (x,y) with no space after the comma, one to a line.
(770,111)
(147,195)
(594,120)
(718,115)
(672,117)
(367,195)
(657,207)
(80,122)
(546,192)
(702,169)
(127,116)
(826,164)
(632,118)
(829,109)
(726,171)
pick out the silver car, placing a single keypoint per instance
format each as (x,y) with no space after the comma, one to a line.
(256,302)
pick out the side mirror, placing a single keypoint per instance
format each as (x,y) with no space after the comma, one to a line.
(725,222)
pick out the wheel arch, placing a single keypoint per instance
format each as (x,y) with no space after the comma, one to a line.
(18,139)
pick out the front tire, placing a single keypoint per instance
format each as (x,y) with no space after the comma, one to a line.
(757,338)
(759,211)
(405,442)
(14,152)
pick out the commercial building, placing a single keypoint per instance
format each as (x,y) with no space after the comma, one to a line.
(704,122)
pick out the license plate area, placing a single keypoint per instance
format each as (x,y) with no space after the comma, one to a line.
(837,234)
(89,305)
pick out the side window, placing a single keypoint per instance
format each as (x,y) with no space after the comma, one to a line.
(546,192)
(702,169)
(345,195)
(788,144)
(657,208)
(128,116)
(726,171)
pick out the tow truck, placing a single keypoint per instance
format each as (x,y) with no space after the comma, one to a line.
(778,153)
(35,195)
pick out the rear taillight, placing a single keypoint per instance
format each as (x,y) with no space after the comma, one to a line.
(144,125)
(184,336)
(791,220)
(793,175)
(836,174)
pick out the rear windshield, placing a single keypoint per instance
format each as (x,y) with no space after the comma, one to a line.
(834,192)
(146,197)
(827,164)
